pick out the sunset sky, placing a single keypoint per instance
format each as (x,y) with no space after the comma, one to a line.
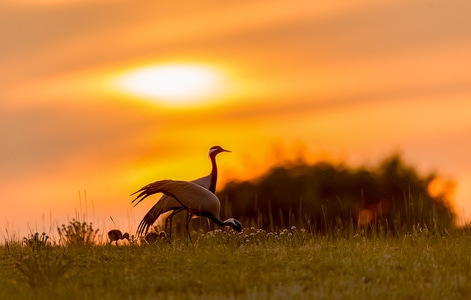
(102,97)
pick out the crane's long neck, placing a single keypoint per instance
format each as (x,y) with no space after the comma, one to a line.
(235,224)
(214,174)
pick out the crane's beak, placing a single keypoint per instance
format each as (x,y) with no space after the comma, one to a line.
(224,150)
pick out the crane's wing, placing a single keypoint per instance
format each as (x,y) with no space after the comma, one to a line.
(155,187)
(165,204)
(148,190)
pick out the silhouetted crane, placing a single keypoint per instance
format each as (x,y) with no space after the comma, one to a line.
(115,235)
(196,200)
(168,204)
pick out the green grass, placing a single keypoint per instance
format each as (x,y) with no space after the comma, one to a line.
(293,264)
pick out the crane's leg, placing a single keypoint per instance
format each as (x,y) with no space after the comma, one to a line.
(188,218)
(169,221)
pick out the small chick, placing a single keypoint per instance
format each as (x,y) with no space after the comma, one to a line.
(152,237)
(115,235)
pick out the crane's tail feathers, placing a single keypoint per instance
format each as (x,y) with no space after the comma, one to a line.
(149,219)
(140,197)
(235,224)
(143,227)
(149,190)
(153,214)
(143,194)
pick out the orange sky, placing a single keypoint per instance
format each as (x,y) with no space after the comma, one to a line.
(352,81)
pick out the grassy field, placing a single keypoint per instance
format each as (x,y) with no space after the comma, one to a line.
(289,264)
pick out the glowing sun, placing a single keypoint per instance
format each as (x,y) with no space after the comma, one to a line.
(179,84)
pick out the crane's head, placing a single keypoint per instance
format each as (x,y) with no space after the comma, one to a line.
(215,150)
(235,224)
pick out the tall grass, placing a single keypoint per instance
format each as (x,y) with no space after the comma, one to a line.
(288,264)
(404,216)
(407,257)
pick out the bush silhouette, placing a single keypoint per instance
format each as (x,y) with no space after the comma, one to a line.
(392,196)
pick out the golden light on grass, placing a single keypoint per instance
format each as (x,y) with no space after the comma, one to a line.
(174,84)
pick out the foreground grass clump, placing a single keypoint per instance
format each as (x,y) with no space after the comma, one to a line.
(288,264)
(77,233)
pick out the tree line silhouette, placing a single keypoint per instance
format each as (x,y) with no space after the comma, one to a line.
(323,196)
